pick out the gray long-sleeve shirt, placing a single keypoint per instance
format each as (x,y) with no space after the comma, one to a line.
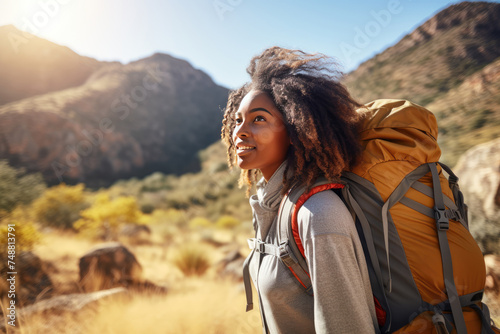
(343,300)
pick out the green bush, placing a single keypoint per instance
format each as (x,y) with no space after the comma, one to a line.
(60,206)
(16,187)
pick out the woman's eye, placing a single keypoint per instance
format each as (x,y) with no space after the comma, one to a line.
(260,119)
(238,120)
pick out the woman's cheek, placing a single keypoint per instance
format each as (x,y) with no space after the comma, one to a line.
(266,136)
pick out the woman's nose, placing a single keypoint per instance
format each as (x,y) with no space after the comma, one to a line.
(240,131)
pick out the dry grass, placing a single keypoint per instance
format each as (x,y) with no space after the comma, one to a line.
(205,304)
(192,260)
(193,306)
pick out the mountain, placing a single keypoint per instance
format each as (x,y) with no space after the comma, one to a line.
(150,115)
(30,65)
(448,64)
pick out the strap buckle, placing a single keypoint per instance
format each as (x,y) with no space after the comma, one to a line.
(260,246)
(256,244)
(442,221)
(285,256)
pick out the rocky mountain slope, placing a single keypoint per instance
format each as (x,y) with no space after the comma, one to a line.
(79,120)
(151,115)
(450,65)
(30,65)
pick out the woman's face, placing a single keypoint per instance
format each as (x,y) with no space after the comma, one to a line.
(260,134)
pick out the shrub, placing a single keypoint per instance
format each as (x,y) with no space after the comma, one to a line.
(17,187)
(198,222)
(60,206)
(23,231)
(105,216)
(227,222)
(191,260)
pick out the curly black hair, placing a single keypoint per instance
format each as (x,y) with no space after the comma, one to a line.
(319,114)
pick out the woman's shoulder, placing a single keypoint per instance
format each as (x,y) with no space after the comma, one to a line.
(325,213)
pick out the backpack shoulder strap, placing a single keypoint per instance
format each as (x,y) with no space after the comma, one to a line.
(293,255)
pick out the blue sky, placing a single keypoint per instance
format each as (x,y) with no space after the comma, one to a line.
(220,36)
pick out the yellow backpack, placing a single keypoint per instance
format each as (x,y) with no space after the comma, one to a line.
(426,270)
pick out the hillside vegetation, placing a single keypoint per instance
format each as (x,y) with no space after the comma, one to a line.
(449,64)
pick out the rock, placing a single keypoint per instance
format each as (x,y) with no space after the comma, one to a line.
(32,281)
(124,121)
(110,265)
(492,287)
(65,303)
(72,302)
(492,263)
(479,173)
(55,68)
(149,287)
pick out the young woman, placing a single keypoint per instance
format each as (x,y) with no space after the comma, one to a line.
(293,123)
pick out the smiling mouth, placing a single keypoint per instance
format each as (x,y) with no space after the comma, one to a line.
(242,150)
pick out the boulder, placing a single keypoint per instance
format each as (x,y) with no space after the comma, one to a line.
(72,302)
(60,306)
(479,173)
(31,279)
(492,286)
(492,263)
(108,266)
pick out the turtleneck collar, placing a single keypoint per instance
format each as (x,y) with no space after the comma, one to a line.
(266,202)
(269,193)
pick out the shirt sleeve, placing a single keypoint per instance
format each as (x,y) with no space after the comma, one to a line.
(343,300)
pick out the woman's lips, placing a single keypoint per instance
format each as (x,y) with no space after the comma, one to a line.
(243,150)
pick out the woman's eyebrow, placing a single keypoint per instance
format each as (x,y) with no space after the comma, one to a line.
(260,109)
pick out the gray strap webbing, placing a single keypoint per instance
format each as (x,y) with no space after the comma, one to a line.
(246,281)
(439,323)
(262,247)
(385,226)
(367,233)
(261,305)
(395,197)
(290,261)
(484,314)
(442,226)
(457,194)
(455,213)
(453,178)
(290,254)
(429,212)
(486,329)
(426,190)
(283,253)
